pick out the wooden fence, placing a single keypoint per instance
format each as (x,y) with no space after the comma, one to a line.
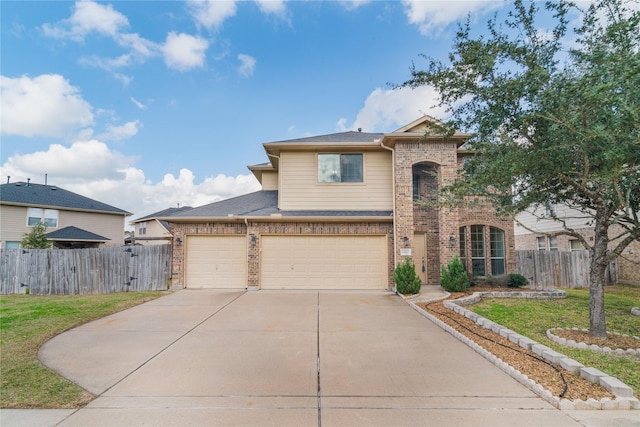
(85,271)
(554,269)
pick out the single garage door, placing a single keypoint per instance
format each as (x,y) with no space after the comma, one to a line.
(323,262)
(216,262)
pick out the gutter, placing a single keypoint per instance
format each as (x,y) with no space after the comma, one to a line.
(393,177)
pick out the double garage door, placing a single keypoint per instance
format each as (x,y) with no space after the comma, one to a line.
(290,262)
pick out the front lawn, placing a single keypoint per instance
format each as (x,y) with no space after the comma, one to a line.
(26,323)
(532,319)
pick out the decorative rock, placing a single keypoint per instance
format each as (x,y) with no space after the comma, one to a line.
(592,374)
(566,405)
(571,365)
(616,387)
(608,404)
(594,404)
(552,356)
(581,405)
(635,311)
(582,346)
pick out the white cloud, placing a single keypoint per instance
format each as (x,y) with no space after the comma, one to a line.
(138,104)
(353,4)
(46,105)
(184,52)
(88,17)
(82,160)
(210,13)
(433,16)
(118,133)
(385,110)
(94,170)
(275,7)
(247,65)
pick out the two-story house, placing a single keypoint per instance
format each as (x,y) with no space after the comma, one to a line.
(340,211)
(71,220)
(152,229)
(535,230)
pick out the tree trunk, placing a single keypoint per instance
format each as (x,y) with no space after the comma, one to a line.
(597,281)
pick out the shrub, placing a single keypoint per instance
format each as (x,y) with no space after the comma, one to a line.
(501,281)
(407,281)
(454,277)
(517,281)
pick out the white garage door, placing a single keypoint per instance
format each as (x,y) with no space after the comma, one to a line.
(324,262)
(216,262)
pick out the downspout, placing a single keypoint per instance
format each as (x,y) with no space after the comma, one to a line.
(393,176)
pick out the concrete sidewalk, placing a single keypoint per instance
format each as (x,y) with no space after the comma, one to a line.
(198,357)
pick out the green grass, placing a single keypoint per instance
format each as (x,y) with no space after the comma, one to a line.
(26,323)
(532,319)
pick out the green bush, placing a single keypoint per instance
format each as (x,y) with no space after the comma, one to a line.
(454,277)
(517,281)
(407,281)
(501,281)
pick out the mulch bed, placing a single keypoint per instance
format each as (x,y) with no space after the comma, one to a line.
(526,362)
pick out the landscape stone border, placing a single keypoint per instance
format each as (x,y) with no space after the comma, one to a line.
(635,311)
(624,394)
(593,347)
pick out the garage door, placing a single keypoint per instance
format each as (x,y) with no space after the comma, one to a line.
(323,262)
(216,262)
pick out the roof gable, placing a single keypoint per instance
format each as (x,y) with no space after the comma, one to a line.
(75,233)
(38,195)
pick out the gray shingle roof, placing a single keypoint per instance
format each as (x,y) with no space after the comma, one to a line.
(164,213)
(258,203)
(75,233)
(345,137)
(265,203)
(38,195)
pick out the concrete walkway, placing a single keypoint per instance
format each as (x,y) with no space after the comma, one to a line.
(208,358)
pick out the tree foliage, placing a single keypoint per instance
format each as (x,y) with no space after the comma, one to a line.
(36,239)
(555,120)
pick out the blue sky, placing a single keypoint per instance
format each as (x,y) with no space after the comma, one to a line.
(147,104)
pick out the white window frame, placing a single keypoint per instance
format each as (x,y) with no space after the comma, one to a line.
(48,217)
(142,228)
(553,243)
(542,243)
(338,169)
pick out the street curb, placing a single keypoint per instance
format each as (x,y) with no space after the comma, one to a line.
(624,394)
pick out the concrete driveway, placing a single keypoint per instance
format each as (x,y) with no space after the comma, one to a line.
(199,357)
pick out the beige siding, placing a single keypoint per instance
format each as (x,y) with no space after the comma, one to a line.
(574,220)
(13,223)
(154,230)
(269,181)
(300,190)
(106,225)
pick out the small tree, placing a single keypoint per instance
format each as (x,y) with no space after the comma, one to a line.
(454,277)
(36,239)
(554,122)
(407,281)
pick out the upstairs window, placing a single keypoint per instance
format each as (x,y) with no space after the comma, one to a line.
(142,228)
(340,168)
(49,217)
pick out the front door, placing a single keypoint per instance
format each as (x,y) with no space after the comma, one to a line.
(419,257)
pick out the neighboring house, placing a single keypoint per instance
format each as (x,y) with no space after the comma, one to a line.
(152,229)
(340,211)
(534,232)
(71,220)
